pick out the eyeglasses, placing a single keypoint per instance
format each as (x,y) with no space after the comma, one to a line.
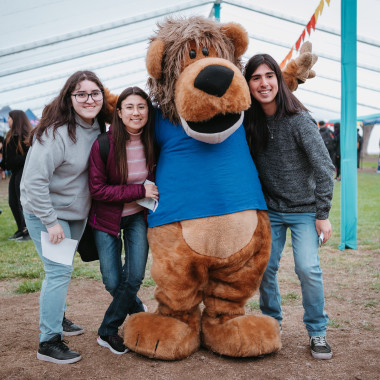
(82,97)
(131,109)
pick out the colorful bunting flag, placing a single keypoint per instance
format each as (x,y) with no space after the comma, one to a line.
(287,58)
(319,10)
(310,25)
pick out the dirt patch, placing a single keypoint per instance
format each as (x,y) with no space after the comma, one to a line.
(352,302)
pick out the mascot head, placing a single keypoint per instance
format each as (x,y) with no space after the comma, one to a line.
(195,76)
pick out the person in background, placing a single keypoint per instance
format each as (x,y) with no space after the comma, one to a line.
(298,192)
(56,199)
(2,172)
(359,145)
(14,154)
(115,186)
(337,150)
(328,139)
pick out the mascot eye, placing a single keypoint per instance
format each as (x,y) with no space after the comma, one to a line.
(192,54)
(205,52)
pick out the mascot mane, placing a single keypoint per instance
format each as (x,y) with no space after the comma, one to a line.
(177,35)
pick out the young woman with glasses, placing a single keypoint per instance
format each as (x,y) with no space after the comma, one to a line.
(56,199)
(115,186)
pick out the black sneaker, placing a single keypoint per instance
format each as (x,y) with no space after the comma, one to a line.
(25,236)
(16,236)
(320,349)
(55,351)
(70,328)
(114,343)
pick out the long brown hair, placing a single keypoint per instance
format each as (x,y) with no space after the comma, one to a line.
(61,111)
(255,120)
(20,129)
(121,135)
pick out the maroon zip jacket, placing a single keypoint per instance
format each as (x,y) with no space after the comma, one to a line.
(108,196)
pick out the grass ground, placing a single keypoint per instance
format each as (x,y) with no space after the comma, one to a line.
(20,260)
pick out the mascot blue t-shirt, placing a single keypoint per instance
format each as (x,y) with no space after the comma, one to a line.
(205,175)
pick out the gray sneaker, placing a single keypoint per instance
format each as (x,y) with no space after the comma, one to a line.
(70,328)
(320,349)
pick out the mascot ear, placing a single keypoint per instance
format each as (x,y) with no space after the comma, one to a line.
(239,37)
(111,105)
(154,58)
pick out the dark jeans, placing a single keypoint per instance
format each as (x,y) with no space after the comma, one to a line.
(14,199)
(122,281)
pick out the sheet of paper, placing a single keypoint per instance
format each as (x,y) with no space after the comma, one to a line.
(62,253)
(149,203)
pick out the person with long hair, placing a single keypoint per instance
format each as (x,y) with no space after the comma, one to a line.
(14,155)
(115,186)
(296,174)
(56,199)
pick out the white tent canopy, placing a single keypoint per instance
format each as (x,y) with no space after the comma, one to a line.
(44,41)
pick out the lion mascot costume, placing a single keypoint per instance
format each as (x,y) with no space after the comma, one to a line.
(210,234)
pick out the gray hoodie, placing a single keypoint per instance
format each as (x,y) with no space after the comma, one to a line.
(55,178)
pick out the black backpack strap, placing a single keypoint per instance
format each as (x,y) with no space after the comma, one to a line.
(104,147)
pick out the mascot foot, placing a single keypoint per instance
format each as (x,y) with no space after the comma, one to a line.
(160,337)
(242,336)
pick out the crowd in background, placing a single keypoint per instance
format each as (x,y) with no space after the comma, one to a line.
(331,138)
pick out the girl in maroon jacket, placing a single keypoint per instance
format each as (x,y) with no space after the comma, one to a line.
(115,187)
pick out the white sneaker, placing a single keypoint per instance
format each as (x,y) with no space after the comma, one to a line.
(145,308)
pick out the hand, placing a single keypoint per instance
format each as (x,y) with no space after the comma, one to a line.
(325,227)
(56,234)
(151,191)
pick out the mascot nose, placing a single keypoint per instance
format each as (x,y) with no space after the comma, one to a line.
(214,80)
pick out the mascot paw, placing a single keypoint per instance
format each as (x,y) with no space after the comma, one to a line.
(160,337)
(242,336)
(298,70)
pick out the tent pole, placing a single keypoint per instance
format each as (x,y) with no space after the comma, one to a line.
(348,132)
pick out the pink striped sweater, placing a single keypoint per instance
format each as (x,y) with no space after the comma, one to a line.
(137,170)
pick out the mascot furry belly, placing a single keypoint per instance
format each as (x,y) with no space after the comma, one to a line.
(210,235)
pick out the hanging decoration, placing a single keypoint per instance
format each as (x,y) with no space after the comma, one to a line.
(310,25)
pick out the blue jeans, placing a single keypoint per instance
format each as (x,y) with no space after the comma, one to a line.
(122,281)
(57,277)
(305,251)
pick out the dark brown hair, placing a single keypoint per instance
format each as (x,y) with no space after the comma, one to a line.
(255,120)
(20,129)
(121,135)
(61,111)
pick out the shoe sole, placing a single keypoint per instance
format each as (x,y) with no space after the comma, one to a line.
(57,361)
(321,356)
(72,333)
(102,343)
